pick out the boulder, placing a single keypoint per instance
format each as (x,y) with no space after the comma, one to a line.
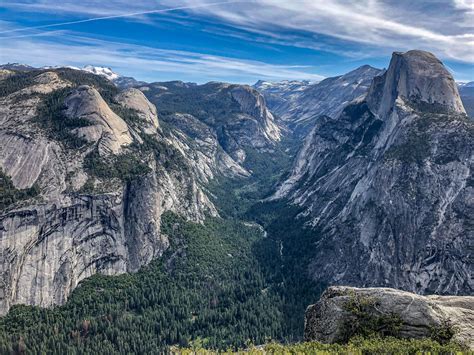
(338,311)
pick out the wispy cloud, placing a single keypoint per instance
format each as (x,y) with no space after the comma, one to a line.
(148,63)
(342,29)
(427,24)
(120,15)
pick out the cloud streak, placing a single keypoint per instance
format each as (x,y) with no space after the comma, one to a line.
(123,15)
(400,25)
(147,63)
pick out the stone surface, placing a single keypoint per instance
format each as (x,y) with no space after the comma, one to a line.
(48,244)
(300,105)
(418,77)
(236,115)
(135,99)
(419,315)
(106,127)
(387,186)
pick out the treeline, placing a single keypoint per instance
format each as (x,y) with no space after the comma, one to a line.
(9,194)
(208,289)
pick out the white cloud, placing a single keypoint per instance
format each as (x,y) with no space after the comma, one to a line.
(117,15)
(145,62)
(464,4)
(391,25)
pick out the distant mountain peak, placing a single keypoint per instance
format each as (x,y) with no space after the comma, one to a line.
(102,71)
(16,66)
(417,77)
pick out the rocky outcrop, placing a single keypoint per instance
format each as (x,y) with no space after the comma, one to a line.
(236,114)
(278,94)
(387,186)
(135,99)
(416,77)
(106,127)
(199,143)
(252,103)
(81,223)
(416,316)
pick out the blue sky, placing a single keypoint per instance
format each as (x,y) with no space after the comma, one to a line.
(235,41)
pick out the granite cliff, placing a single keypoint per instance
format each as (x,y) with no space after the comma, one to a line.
(386,186)
(342,310)
(87,170)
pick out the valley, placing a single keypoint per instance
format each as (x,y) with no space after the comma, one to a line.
(150,215)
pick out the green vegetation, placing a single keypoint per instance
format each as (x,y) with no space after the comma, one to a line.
(78,77)
(204,102)
(415,149)
(125,166)
(165,154)
(10,195)
(17,81)
(356,346)
(235,196)
(51,117)
(443,333)
(207,289)
(364,322)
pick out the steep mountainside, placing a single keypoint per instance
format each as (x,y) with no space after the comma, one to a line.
(235,115)
(300,106)
(171,182)
(86,172)
(466,91)
(387,185)
(277,94)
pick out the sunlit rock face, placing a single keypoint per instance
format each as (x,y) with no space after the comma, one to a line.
(418,315)
(78,224)
(387,185)
(298,105)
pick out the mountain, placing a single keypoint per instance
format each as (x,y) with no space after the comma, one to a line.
(102,71)
(299,105)
(16,66)
(386,186)
(170,213)
(236,115)
(87,171)
(466,91)
(278,93)
(122,82)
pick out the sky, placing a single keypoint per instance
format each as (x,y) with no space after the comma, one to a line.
(238,41)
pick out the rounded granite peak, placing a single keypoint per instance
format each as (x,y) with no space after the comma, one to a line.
(418,78)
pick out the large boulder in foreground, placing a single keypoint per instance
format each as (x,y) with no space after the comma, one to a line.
(345,311)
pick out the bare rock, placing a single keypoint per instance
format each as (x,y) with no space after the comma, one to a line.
(45,83)
(387,187)
(415,76)
(106,127)
(253,103)
(135,99)
(419,316)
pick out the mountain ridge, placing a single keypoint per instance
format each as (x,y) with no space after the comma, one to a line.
(375,177)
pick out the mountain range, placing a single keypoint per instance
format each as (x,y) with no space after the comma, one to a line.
(363,179)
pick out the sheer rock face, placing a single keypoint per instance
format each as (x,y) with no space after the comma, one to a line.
(324,321)
(51,242)
(134,99)
(387,186)
(417,77)
(200,144)
(236,115)
(299,106)
(27,155)
(252,103)
(106,127)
